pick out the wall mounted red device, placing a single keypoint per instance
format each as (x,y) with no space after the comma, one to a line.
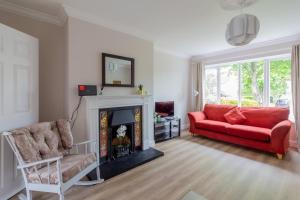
(87,90)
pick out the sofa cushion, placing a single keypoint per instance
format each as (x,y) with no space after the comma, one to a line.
(265,117)
(234,116)
(212,125)
(216,112)
(48,139)
(46,143)
(26,145)
(64,128)
(250,132)
(71,165)
(42,140)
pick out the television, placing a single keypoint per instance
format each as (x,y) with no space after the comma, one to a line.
(165,108)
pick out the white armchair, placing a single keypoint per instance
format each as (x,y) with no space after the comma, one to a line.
(46,159)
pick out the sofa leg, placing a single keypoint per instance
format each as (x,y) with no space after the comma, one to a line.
(279,156)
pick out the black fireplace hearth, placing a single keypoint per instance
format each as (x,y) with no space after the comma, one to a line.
(123,164)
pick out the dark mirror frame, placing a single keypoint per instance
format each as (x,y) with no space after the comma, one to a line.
(104,84)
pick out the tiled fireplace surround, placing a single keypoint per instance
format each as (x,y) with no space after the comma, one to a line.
(110,120)
(95,104)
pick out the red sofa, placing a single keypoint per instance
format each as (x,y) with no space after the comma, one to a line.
(263,128)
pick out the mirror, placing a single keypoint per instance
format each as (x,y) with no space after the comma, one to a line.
(117,71)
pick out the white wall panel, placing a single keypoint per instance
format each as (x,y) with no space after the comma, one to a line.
(22,80)
(21,48)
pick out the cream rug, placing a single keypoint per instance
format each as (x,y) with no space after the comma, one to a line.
(192,196)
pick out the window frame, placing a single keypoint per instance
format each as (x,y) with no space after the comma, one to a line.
(267,64)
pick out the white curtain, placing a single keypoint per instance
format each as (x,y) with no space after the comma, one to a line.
(198,70)
(296,88)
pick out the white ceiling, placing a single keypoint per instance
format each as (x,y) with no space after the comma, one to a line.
(187,27)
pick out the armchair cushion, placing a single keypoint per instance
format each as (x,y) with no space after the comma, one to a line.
(64,128)
(48,139)
(44,126)
(71,165)
(48,144)
(43,140)
(26,145)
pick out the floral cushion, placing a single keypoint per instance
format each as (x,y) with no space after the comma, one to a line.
(43,140)
(70,166)
(65,133)
(26,145)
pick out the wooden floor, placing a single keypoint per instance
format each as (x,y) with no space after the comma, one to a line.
(215,170)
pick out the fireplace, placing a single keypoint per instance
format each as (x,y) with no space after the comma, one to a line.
(98,112)
(120,132)
(98,115)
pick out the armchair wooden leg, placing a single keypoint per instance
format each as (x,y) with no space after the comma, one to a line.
(61,196)
(98,173)
(279,156)
(29,195)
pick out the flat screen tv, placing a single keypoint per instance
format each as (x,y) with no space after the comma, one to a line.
(165,108)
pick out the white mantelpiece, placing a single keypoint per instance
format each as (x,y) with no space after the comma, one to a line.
(94,103)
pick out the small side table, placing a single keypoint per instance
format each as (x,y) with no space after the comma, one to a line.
(167,128)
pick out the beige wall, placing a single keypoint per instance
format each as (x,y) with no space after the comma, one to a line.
(86,42)
(51,62)
(71,55)
(172,82)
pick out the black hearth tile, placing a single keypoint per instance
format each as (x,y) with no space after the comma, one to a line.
(121,165)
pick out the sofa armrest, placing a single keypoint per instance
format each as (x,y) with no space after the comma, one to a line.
(280,136)
(195,117)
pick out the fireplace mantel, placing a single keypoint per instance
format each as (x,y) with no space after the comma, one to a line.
(94,103)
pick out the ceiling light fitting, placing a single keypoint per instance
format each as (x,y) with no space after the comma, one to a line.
(243,28)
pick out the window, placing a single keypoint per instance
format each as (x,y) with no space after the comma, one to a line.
(211,80)
(229,88)
(252,83)
(260,82)
(280,83)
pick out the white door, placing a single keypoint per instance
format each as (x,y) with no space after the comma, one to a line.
(18,98)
